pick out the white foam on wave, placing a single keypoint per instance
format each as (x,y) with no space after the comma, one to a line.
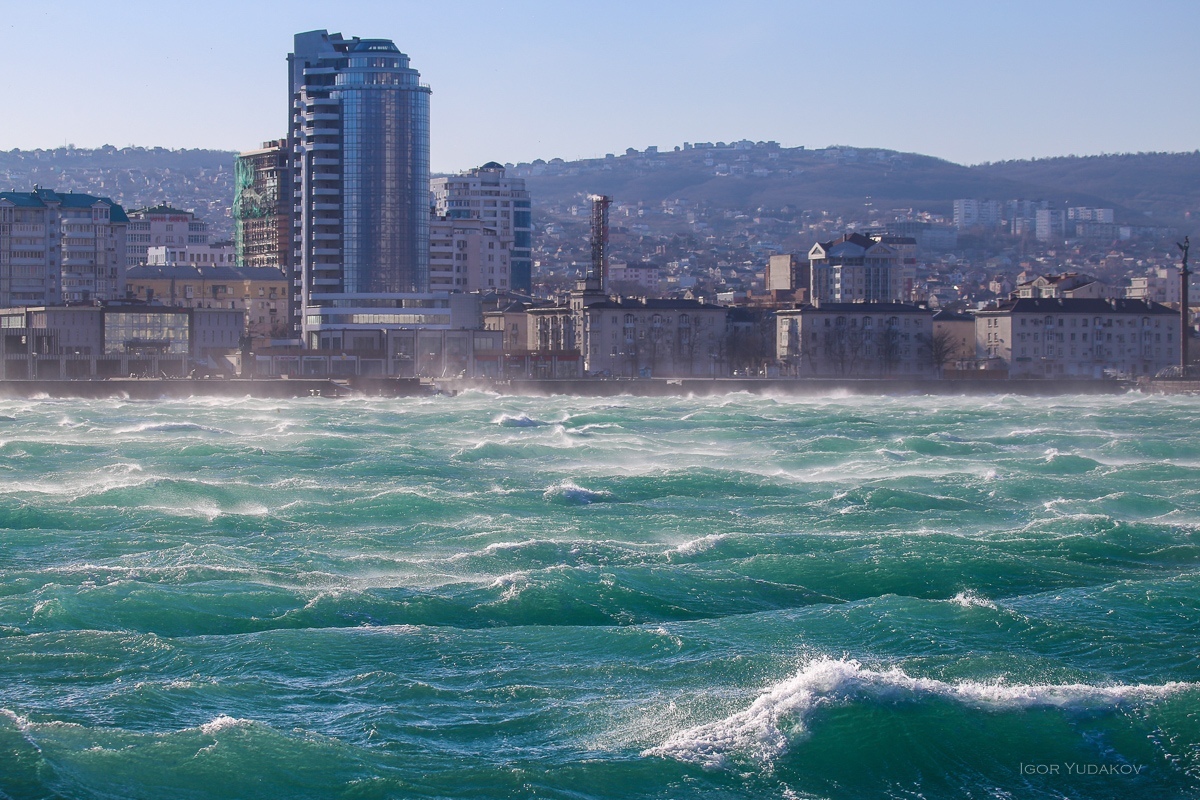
(969,599)
(122,475)
(223,722)
(572,492)
(517,421)
(700,545)
(763,731)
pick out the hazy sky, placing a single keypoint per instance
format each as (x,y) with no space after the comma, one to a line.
(969,81)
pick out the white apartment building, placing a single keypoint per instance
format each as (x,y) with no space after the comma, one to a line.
(161,225)
(1078,338)
(1049,224)
(856,269)
(501,203)
(1088,214)
(977,213)
(218,254)
(60,248)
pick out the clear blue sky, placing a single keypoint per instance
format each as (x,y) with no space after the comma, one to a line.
(512,81)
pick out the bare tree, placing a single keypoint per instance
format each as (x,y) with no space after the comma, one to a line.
(843,348)
(890,349)
(941,348)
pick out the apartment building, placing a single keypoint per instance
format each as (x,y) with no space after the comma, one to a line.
(502,203)
(161,225)
(1078,337)
(60,247)
(861,340)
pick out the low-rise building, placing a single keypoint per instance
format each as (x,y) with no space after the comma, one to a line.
(260,293)
(632,336)
(953,340)
(635,278)
(58,342)
(221,254)
(1078,338)
(860,340)
(1067,285)
(1160,285)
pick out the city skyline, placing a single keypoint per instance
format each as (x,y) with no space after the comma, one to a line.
(538,80)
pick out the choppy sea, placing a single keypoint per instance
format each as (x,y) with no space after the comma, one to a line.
(501,597)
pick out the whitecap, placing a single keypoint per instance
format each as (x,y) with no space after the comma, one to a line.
(223,722)
(969,599)
(694,546)
(572,493)
(518,421)
(764,730)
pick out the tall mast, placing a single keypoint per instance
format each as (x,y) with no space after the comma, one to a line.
(1184,275)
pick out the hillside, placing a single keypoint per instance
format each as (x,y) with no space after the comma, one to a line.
(136,177)
(848,182)
(855,184)
(1165,186)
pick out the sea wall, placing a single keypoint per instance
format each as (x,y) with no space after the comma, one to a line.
(654,387)
(153,388)
(157,388)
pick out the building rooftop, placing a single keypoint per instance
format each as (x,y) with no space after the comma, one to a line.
(161,208)
(1078,305)
(857,308)
(208,272)
(43,198)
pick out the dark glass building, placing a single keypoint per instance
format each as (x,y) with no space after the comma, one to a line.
(359,149)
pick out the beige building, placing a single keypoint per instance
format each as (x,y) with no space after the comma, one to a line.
(787,273)
(637,278)
(513,321)
(953,340)
(466,255)
(1078,338)
(633,336)
(502,203)
(855,340)
(260,293)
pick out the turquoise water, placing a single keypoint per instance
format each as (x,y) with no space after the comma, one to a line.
(600,598)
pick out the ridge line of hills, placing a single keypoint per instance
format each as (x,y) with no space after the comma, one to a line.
(854,183)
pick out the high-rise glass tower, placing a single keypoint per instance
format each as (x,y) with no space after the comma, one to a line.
(359,150)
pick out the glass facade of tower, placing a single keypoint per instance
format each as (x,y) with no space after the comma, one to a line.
(359,146)
(385,171)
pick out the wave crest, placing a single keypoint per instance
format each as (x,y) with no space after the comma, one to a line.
(763,731)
